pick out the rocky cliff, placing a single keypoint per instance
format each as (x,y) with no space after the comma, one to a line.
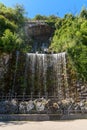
(4,68)
(40,33)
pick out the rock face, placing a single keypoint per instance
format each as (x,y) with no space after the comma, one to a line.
(40,32)
(4,66)
(9,107)
(43,105)
(38,29)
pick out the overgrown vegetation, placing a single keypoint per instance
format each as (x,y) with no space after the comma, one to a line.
(50,20)
(71,36)
(12,35)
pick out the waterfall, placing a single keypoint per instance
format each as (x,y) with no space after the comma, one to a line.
(46,73)
(65,75)
(58,72)
(15,71)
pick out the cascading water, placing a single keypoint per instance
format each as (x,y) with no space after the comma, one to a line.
(15,71)
(46,73)
(65,76)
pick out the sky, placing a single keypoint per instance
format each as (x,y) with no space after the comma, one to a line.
(48,7)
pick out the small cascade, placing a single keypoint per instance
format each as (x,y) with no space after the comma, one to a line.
(65,76)
(46,74)
(58,72)
(15,71)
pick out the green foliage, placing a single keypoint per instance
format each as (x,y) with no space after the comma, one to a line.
(11,24)
(71,36)
(40,17)
(8,39)
(79,56)
(83,13)
(19,15)
(50,20)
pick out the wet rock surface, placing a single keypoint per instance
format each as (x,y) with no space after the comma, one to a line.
(4,67)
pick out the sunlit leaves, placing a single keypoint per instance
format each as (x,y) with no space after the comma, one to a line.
(71,36)
(9,40)
(11,22)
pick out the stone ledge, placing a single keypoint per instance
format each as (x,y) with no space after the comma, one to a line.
(24,117)
(74,116)
(40,117)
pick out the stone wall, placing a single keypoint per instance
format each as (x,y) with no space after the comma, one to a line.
(12,69)
(4,67)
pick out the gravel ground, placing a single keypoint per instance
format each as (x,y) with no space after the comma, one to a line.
(45,125)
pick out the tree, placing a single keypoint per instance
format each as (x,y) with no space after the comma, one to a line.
(40,17)
(83,13)
(12,21)
(71,36)
(10,41)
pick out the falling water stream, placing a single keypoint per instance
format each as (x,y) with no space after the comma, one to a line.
(15,71)
(46,73)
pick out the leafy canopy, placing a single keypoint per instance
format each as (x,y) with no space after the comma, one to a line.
(11,22)
(71,36)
